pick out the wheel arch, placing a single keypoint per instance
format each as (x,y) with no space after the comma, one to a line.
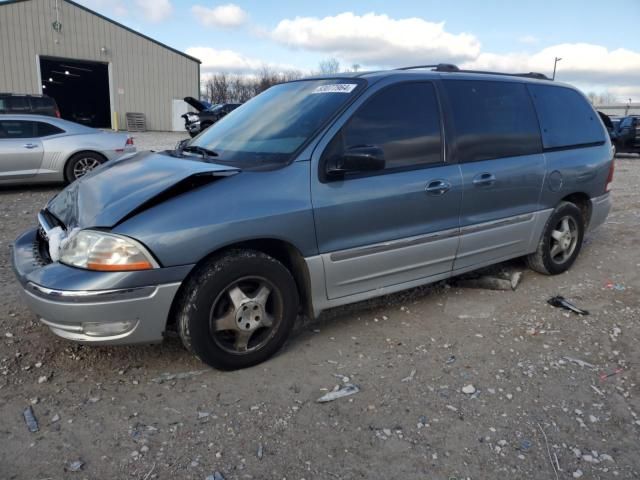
(78,152)
(583,202)
(283,251)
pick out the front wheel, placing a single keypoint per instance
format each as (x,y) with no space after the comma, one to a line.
(561,241)
(238,309)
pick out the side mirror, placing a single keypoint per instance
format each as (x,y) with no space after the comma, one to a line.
(365,158)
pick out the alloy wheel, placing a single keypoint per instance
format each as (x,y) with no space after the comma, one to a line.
(245,315)
(564,239)
(84,166)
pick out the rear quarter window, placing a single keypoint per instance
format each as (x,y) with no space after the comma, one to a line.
(566,118)
(46,129)
(492,119)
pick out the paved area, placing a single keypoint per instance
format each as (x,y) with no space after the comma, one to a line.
(550,394)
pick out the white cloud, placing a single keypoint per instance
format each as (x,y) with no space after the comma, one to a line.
(227,16)
(155,10)
(229,61)
(581,62)
(149,10)
(529,39)
(377,39)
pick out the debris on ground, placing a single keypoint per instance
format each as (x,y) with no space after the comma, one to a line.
(410,377)
(604,376)
(560,302)
(579,362)
(260,452)
(345,391)
(490,279)
(165,377)
(615,286)
(75,466)
(215,476)
(30,419)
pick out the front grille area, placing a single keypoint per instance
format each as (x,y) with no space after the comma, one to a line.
(41,248)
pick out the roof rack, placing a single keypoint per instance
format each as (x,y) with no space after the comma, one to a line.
(449,67)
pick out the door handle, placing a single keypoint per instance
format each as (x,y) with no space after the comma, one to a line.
(484,179)
(30,145)
(438,187)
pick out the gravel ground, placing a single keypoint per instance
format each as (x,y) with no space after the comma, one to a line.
(555,394)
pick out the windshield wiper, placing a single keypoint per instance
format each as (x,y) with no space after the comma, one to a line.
(205,152)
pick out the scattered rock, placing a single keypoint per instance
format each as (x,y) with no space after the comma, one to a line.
(469,389)
(577,473)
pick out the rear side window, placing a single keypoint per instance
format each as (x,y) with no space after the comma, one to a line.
(18,104)
(17,129)
(42,104)
(403,120)
(46,129)
(566,118)
(492,120)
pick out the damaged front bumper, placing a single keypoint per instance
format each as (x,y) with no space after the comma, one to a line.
(110,308)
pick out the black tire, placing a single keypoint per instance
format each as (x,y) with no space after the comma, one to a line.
(555,256)
(206,305)
(80,164)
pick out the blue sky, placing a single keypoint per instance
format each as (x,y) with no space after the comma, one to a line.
(597,42)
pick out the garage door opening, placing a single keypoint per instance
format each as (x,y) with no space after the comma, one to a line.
(81,90)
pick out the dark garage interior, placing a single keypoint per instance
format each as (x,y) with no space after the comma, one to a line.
(80,88)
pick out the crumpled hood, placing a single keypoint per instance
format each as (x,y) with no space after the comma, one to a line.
(114,191)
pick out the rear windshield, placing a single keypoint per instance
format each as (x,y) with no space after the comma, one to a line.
(273,126)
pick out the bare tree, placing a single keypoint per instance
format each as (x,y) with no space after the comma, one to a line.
(355,67)
(329,66)
(229,88)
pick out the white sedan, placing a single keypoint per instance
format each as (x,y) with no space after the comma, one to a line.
(39,149)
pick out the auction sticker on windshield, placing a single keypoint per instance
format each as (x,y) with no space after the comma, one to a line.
(336,88)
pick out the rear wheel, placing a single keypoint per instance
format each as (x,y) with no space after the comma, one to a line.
(80,164)
(561,241)
(238,309)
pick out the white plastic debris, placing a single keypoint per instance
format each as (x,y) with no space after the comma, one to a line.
(56,235)
(345,391)
(58,238)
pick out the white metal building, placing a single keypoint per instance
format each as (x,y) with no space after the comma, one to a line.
(95,68)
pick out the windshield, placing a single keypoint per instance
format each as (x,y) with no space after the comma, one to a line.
(271,127)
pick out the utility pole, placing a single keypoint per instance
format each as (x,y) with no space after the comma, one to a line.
(555,62)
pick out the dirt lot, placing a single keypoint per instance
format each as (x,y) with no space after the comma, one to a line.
(538,412)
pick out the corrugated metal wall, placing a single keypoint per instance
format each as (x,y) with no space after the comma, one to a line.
(145,76)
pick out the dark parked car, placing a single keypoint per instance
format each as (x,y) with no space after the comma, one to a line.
(627,136)
(194,123)
(20,104)
(318,193)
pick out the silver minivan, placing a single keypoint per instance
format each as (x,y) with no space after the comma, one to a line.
(318,193)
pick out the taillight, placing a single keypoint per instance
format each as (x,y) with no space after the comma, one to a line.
(607,187)
(58,113)
(129,141)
